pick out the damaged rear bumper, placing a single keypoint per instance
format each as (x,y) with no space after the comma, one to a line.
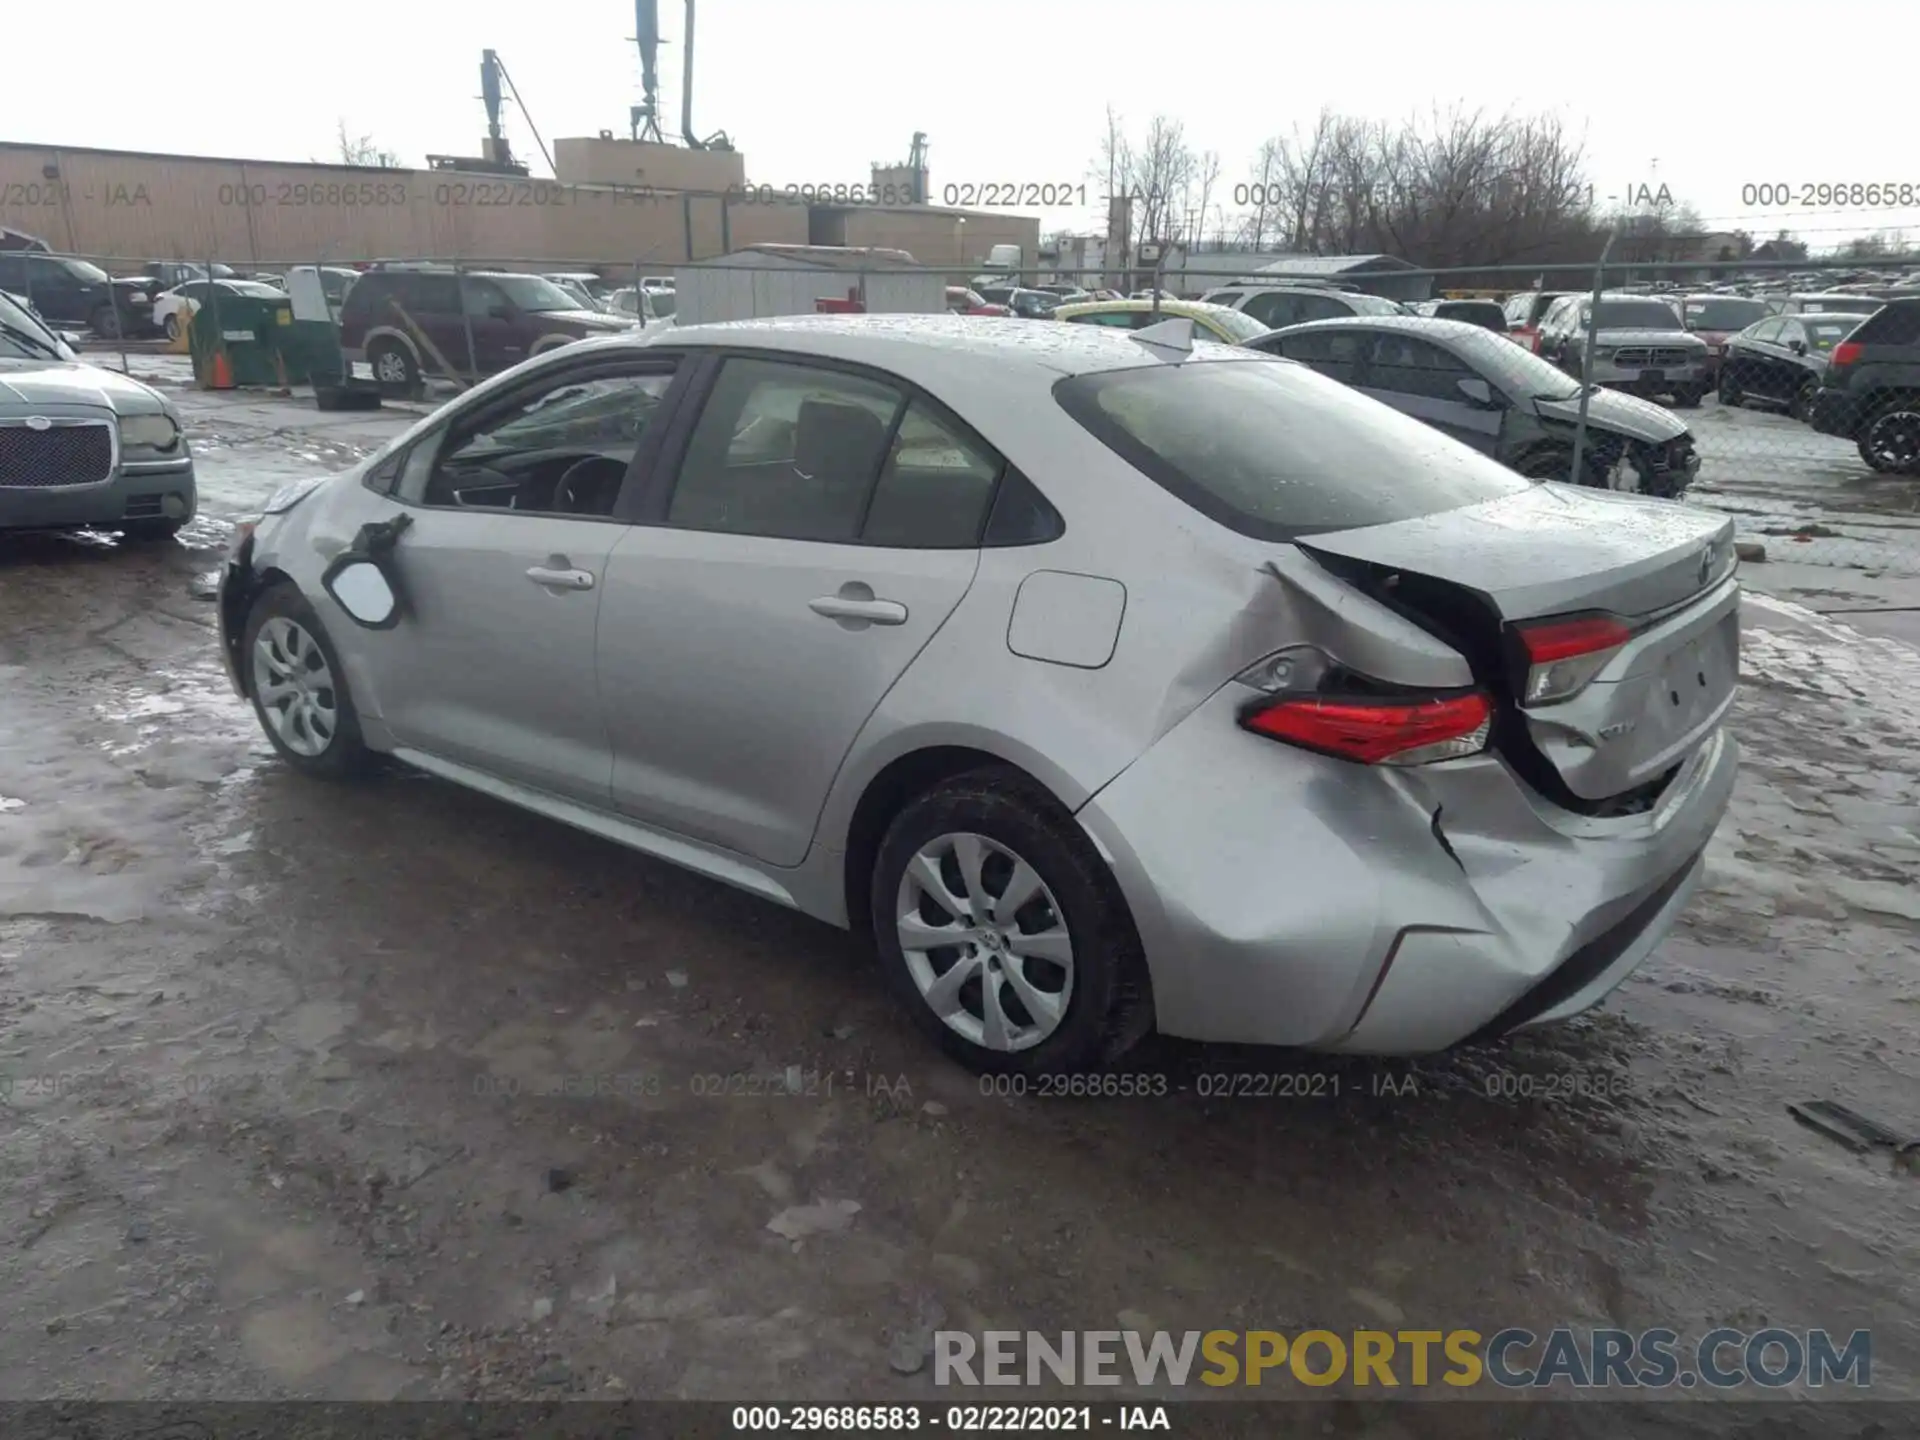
(1290,899)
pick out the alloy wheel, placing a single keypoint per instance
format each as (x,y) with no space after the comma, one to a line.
(985,941)
(391,367)
(1892,442)
(295,687)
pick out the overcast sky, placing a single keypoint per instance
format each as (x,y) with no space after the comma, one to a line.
(1704,96)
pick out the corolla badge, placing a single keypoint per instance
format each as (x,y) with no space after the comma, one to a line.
(39,422)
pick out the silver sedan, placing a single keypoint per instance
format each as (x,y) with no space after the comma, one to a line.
(1107,681)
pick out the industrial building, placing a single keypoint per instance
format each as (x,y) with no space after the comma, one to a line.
(611,203)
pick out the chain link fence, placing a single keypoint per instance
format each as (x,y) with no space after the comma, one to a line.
(1753,358)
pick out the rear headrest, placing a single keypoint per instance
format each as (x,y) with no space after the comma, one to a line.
(837,440)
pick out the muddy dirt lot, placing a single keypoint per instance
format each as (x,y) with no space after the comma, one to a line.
(391,1091)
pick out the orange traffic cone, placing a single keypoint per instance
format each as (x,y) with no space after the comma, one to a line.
(222,377)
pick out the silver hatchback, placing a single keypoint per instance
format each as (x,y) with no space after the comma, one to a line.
(1108,681)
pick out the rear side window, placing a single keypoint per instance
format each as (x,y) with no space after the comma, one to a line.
(936,487)
(1276,451)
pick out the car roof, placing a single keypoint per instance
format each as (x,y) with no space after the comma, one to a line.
(1189,308)
(1427,325)
(933,349)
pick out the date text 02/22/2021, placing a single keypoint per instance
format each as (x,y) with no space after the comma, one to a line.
(904,1419)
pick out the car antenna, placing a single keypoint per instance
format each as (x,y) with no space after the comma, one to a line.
(1170,340)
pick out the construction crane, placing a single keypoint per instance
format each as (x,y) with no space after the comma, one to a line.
(644,118)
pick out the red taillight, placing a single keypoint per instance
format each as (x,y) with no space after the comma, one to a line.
(1845,353)
(1379,732)
(1563,655)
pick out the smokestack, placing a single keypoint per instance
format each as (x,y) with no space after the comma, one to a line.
(686,86)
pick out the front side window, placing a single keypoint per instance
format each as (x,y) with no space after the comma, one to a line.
(562,448)
(786,451)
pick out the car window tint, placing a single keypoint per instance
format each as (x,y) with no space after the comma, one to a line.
(1334,353)
(1322,307)
(478,297)
(1273,310)
(430,295)
(784,450)
(1408,366)
(1897,323)
(1276,451)
(1117,318)
(562,449)
(936,487)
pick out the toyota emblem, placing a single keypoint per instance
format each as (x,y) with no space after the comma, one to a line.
(39,422)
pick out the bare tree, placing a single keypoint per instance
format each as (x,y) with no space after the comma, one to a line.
(1206,175)
(362,150)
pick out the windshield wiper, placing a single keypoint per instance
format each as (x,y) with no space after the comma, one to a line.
(27,337)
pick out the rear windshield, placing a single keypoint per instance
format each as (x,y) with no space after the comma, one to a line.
(1271,449)
(1374,305)
(1896,323)
(1725,314)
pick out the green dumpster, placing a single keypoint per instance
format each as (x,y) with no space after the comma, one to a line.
(237,340)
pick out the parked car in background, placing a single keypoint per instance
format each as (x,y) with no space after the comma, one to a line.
(1524,313)
(1639,345)
(1487,314)
(1716,319)
(578,291)
(505,317)
(586,284)
(75,292)
(1477,386)
(1830,302)
(1276,306)
(173,310)
(641,306)
(1027,304)
(1212,322)
(1780,360)
(166,274)
(81,445)
(1306,777)
(963,300)
(1870,390)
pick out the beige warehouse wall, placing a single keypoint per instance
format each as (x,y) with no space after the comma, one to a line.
(133,207)
(162,208)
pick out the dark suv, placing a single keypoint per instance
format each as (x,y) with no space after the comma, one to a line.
(69,291)
(1870,392)
(408,323)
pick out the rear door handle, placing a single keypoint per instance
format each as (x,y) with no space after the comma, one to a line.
(843,607)
(556,579)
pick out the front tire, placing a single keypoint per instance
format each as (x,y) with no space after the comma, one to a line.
(298,687)
(1801,406)
(1688,399)
(1730,393)
(1003,933)
(172,327)
(105,322)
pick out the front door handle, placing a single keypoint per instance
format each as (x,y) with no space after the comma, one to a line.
(848,607)
(558,579)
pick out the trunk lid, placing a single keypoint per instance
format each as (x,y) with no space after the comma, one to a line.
(1471,575)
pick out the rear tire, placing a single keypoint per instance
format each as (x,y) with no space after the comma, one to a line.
(298,687)
(1890,443)
(1059,984)
(1688,399)
(172,327)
